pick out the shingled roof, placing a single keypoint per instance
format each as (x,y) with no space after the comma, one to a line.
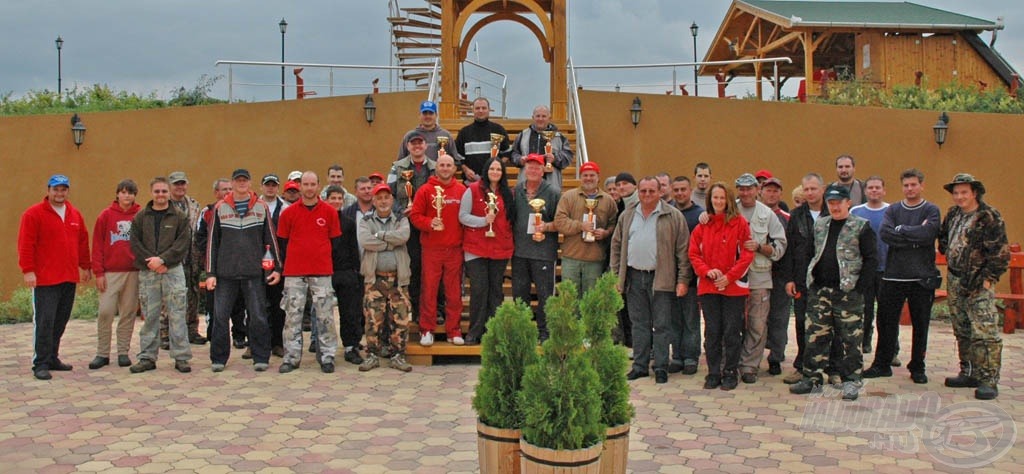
(882,15)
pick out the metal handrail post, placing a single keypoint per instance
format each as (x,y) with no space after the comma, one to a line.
(577,116)
(231,81)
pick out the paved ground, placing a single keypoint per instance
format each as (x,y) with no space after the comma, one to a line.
(239,421)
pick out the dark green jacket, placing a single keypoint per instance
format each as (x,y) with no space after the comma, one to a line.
(175,237)
(988,254)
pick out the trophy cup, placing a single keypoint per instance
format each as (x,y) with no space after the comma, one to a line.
(538,219)
(495,141)
(442,143)
(439,205)
(548,135)
(492,206)
(407,176)
(591,204)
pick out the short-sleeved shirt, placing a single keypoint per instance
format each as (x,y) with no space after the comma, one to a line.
(309,233)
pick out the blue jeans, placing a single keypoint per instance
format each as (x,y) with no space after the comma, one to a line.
(228,291)
(650,312)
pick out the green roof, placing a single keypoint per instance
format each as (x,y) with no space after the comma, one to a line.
(882,15)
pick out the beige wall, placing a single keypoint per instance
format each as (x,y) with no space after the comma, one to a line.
(674,133)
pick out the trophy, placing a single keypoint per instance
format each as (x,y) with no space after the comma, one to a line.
(591,204)
(538,219)
(442,143)
(439,205)
(492,206)
(407,176)
(548,135)
(495,141)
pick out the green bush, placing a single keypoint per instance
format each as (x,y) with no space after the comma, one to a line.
(509,346)
(101,98)
(19,308)
(951,97)
(599,309)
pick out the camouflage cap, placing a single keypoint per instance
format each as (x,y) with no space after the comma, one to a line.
(177,177)
(746,179)
(965,178)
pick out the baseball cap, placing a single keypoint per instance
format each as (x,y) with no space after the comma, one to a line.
(624,176)
(415,136)
(836,192)
(240,173)
(177,177)
(774,181)
(291,186)
(376,175)
(534,157)
(294,175)
(381,187)
(58,180)
(428,106)
(590,166)
(763,174)
(271,178)
(746,179)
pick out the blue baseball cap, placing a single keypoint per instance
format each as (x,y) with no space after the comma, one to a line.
(58,180)
(428,106)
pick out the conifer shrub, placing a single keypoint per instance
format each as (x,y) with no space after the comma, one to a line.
(599,308)
(508,347)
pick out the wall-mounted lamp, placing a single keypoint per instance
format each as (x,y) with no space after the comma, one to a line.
(370,109)
(941,128)
(77,130)
(634,112)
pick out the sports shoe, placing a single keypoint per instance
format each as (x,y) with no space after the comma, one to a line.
(369,363)
(689,369)
(312,346)
(123,361)
(774,368)
(60,367)
(835,380)
(142,365)
(712,381)
(261,366)
(352,357)
(675,366)
(458,341)
(286,367)
(793,378)
(398,363)
(896,361)
(239,342)
(327,367)
(660,376)
(99,362)
(217,367)
(875,371)
(805,386)
(182,366)
(247,354)
(749,377)
(851,390)
(42,374)
(426,339)
(636,374)
(729,382)
(986,392)
(919,377)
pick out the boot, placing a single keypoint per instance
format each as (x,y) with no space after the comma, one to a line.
(988,359)
(965,378)
(986,392)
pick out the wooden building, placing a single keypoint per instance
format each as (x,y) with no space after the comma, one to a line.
(888,43)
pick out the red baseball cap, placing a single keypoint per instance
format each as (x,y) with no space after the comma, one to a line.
(763,174)
(590,166)
(534,157)
(291,185)
(381,187)
(377,175)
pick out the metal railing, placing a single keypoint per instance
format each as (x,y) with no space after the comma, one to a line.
(330,67)
(775,66)
(576,117)
(432,92)
(503,87)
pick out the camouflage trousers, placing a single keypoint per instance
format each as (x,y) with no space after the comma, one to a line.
(163,291)
(839,315)
(193,269)
(388,310)
(976,327)
(294,303)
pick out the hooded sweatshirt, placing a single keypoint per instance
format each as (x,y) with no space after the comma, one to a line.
(423,212)
(111,240)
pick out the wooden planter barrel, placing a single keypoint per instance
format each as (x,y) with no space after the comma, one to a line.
(616,450)
(498,449)
(537,460)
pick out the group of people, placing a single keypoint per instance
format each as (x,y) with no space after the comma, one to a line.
(399,248)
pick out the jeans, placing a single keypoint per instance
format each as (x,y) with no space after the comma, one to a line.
(650,313)
(485,293)
(226,294)
(542,274)
(723,323)
(52,308)
(890,304)
(583,274)
(685,327)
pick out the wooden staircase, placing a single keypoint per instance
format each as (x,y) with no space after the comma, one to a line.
(416,36)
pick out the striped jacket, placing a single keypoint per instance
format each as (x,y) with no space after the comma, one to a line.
(237,243)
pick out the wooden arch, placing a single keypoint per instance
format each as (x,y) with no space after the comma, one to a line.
(473,30)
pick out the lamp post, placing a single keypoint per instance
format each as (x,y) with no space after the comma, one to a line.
(60,45)
(693,31)
(284,27)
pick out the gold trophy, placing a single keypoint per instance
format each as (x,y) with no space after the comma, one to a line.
(591,204)
(548,135)
(442,143)
(492,206)
(495,141)
(439,205)
(407,176)
(538,219)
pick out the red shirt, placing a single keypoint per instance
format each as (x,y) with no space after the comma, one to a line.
(309,233)
(111,240)
(423,212)
(53,248)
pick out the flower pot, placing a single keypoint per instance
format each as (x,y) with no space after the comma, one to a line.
(616,450)
(536,460)
(498,449)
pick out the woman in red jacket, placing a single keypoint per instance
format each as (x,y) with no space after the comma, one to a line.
(486,255)
(720,263)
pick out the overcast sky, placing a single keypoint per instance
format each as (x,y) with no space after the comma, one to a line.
(150,46)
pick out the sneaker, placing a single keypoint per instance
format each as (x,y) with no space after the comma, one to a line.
(196,339)
(352,356)
(458,341)
(61,367)
(851,390)
(874,372)
(749,377)
(660,376)
(986,392)
(793,378)
(896,361)
(961,381)
(369,363)
(99,362)
(182,366)
(774,368)
(239,342)
(712,381)
(247,354)
(729,382)
(277,351)
(123,361)
(312,347)
(919,377)
(835,380)
(636,374)
(142,365)
(286,367)
(217,367)
(398,363)
(426,339)
(261,366)
(689,369)
(327,367)
(805,386)
(42,374)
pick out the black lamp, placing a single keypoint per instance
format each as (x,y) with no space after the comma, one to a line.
(370,109)
(77,130)
(634,112)
(941,128)
(693,31)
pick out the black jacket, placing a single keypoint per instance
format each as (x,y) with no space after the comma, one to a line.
(800,245)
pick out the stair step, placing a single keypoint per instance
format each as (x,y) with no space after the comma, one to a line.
(416,354)
(422,11)
(416,34)
(421,55)
(416,76)
(406,21)
(414,45)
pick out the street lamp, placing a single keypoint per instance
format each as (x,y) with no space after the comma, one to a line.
(284,27)
(77,131)
(941,128)
(693,31)
(60,45)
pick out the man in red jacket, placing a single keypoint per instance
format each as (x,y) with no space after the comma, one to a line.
(435,212)
(117,279)
(52,241)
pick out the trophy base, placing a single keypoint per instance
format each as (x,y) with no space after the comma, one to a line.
(589,238)
(489,234)
(538,237)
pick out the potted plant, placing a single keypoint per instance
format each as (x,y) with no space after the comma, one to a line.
(598,310)
(561,397)
(508,347)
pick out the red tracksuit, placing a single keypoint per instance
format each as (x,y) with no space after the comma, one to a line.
(442,254)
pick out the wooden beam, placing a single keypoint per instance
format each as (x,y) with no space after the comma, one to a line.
(794,36)
(808,41)
(450,61)
(750,31)
(559,58)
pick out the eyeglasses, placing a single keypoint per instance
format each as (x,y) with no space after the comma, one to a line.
(160,191)
(648,191)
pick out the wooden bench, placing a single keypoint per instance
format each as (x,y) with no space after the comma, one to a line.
(1013,302)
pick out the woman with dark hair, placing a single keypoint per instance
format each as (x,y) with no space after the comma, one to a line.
(720,263)
(487,243)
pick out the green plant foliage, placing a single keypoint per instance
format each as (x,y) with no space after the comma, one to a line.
(87,303)
(561,397)
(951,97)
(20,309)
(599,308)
(508,347)
(101,98)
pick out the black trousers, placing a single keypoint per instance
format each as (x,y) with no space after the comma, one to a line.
(723,326)
(485,293)
(275,315)
(52,308)
(542,274)
(238,330)
(227,295)
(800,316)
(348,289)
(890,303)
(871,293)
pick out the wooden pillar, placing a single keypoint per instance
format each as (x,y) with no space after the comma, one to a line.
(810,85)
(559,58)
(757,77)
(449,107)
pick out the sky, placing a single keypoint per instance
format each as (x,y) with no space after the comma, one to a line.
(156,47)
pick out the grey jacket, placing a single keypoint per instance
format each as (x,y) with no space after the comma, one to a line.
(376,234)
(673,241)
